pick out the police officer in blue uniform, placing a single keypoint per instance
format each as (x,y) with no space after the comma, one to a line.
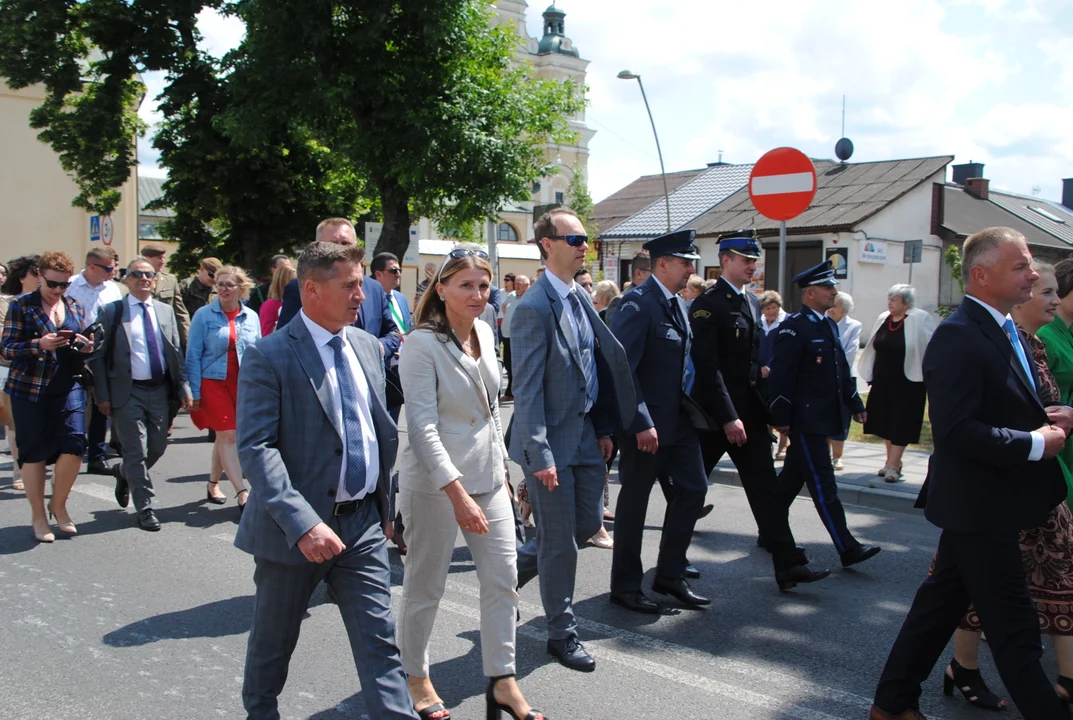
(809,381)
(651,324)
(725,320)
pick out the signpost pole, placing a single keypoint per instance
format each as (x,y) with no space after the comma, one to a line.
(782,258)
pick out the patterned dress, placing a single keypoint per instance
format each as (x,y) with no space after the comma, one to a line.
(1046,551)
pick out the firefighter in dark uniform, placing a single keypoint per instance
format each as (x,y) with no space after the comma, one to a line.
(651,324)
(809,380)
(726,359)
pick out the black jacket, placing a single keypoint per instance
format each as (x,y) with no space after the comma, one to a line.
(983,409)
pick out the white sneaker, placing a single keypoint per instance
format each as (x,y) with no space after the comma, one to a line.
(837,464)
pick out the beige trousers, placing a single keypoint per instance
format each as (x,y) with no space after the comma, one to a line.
(430,535)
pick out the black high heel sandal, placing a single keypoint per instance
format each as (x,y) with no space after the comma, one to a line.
(243,505)
(972,686)
(496,708)
(212,498)
(1067,685)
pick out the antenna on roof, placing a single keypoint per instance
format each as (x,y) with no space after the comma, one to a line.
(844,147)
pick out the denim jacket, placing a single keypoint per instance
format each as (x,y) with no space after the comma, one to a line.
(206,344)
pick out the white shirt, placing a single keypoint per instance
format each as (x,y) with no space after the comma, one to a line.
(140,369)
(1037,438)
(92,297)
(668,295)
(321,338)
(506,311)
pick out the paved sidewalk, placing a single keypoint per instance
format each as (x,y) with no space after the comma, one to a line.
(859,484)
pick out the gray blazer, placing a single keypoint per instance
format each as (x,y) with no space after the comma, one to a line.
(289,444)
(452,414)
(549,383)
(110,363)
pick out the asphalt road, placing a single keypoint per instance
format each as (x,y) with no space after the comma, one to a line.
(119,623)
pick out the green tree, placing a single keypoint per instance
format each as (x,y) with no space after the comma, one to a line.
(579,200)
(423,97)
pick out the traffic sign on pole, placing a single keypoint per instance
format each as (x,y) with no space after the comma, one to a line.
(782,186)
(782,183)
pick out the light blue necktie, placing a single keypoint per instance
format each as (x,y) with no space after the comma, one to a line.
(587,344)
(354,440)
(1018,350)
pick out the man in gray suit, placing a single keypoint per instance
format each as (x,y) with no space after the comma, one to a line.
(318,447)
(572,391)
(136,373)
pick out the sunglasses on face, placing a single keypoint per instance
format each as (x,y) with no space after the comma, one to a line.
(394,271)
(211,274)
(571,240)
(106,268)
(459,253)
(57,285)
(139,274)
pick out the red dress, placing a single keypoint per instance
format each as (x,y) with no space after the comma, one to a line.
(219,398)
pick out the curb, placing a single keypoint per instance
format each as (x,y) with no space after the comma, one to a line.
(848,493)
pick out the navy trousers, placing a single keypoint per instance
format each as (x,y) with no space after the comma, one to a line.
(808,462)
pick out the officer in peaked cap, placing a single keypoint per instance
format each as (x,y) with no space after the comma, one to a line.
(726,324)
(662,440)
(809,381)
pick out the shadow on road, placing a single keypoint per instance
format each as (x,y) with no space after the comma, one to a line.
(216,619)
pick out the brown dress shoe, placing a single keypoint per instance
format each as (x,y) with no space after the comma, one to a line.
(877,713)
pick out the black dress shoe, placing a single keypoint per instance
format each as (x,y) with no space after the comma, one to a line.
(636,601)
(98,467)
(859,554)
(147,520)
(692,572)
(122,490)
(797,575)
(705,511)
(680,591)
(570,653)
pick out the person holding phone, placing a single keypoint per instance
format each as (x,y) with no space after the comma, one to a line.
(43,341)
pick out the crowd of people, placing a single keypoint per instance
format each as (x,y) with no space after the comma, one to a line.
(301,382)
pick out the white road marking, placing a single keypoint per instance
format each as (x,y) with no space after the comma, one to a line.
(779,184)
(94,490)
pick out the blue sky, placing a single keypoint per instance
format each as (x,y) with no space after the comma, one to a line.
(984,80)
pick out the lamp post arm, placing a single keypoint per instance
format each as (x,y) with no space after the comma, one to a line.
(662,170)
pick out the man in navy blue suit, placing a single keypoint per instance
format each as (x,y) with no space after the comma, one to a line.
(374,316)
(994,473)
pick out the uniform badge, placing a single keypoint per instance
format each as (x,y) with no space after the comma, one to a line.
(702,314)
(819,360)
(630,305)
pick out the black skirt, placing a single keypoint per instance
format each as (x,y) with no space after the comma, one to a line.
(895,404)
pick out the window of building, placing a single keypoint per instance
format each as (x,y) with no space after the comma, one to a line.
(507,233)
(560,197)
(536,187)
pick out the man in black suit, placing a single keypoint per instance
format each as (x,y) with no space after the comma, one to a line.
(725,320)
(992,474)
(652,327)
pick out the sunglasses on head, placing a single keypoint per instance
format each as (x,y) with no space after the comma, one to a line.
(571,240)
(57,285)
(459,253)
(139,274)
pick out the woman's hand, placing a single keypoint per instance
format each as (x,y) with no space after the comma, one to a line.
(84,343)
(195,405)
(52,340)
(468,514)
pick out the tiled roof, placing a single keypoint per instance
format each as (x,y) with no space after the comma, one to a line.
(636,196)
(846,194)
(149,189)
(964,214)
(688,202)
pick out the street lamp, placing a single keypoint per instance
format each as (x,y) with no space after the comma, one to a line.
(627,75)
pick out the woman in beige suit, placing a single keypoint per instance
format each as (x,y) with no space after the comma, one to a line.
(453,476)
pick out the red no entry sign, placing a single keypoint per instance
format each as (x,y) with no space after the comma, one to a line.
(782,183)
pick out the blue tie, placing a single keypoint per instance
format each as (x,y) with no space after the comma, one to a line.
(355,445)
(1019,351)
(586,343)
(156,365)
(688,372)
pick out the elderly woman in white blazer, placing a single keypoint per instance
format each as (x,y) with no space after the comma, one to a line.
(891,363)
(849,335)
(453,476)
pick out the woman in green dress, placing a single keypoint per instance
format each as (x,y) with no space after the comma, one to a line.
(1057,337)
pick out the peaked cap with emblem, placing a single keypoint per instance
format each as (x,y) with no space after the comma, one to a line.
(740,242)
(822,274)
(678,243)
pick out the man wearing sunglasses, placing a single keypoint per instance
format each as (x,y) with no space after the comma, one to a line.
(94,288)
(572,391)
(199,290)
